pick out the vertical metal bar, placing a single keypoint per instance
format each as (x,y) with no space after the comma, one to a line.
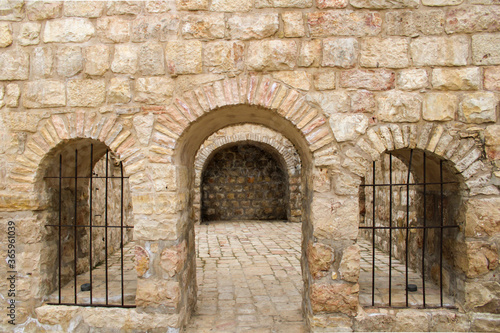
(75,243)
(424,232)
(441,234)
(90,218)
(106,223)
(390,228)
(60,223)
(121,228)
(407,223)
(373,238)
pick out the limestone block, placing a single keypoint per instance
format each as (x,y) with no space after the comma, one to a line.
(183,57)
(14,63)
(384,4)
(377,79)
(69,60)
(337,297)
(363,101)
(335,217)
(310,53)
(480,258)
(123,7)
(84,8)
(255,26)
(113,29)
(349,265)
(347,127)
(324,80)
(155,27)
(293,24)
(44,93)
(296,79)
(29,33)
(344,183)
(441,2)
(391,52)
(340,52)
(151,59)
(12,10)
(456,78)
(231,6)
(147,228)
(449,321)
(42,10)
(471,19)
(485,322)
(142,260)
(283,3)
(172,259)
(492,135)
(154,90)
(492,78)
(344,23)
(330,102)
(42,62)
(439,106)
(125,59)
(154,292)
(399,106)
(412,79)
(97,59)
(66,30)
(119,90)
(203,26)
(224,56)
(440,51)
(483,215)
(143,125)
(323,4)
(192,4)
(320,258)
(86,93)
(415,23)
(272,55)
(12,93)
(486,49)
(5,34)
(478,108)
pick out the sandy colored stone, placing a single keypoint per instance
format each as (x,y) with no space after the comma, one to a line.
(173,259)
(14,63)
(86,92)
(252,26)
(330,102)
(349,265)
(119,90)
(124,7)
(183,57)
(492,135)
(324,80)
(486,49)
(84,8)
(470,19)
(154,292)
(192,4)
(43,10)
(399,106)
(363,101)
(29,33)
(293,24)
(310,53)
(224,56)
(272,55)
(377,79)
(97,59)
(340,52)
(154,90)
(323,4)
(338,297)
(143,125)
(442,2)
(439,51)
(480,258)
(483,215)
(390,52)
(113,29)
(384,4)
(151,59)
(484,322)
(283,3)
(320,258)
(231,5)
(412,79)
(66,30)
(478,108)
(69,60)
(42,59)
(344,23)
(147,228)
(347,127)
(492,78)
(44,93)
(439,106)
(297,79)
(456,78)
(12,94)
(5,34)
(334,217)
(414,23)
(12,10)
(141,260)
(203,26)
(125,59)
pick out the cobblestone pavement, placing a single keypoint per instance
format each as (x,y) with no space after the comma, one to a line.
(249,278)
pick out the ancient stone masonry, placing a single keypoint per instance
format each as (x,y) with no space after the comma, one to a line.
(330,86)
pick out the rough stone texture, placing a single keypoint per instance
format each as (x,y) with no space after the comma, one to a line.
(310,53)
(492,78)
(44,93)
(439,107)
(340,52)
(29,34)
(334,217)
(482,214)
(253,26)
(324,80)
(272,55)
(380,79)
(113,29)
(456,78)
(293,24)
(338,297)
(231,6)
(384,4)
(119,90)
(478,108)
(12,93)
(157,292)
(412,79)
(192,4)
(485,323)
(41,10)
(348,127)
(415,23)
(66,30)
(172,259)
(123,7)
(125,59)
(349,265)
(42,62)
(183,57)
(151,59)
(224,56)
(84,8)
(442,2)
(384,52)
(69,60)
(297,79)
(97,59)
(440,51)
(398,106)
(324,4)
(486,49)
(14,64)
(363,101)
(472,19)
(141,260)
(203,26)
(162,27)
(320,258)
(86,93)
(283,3)
(154,90)
(330,102)
(344,23)
(5,34)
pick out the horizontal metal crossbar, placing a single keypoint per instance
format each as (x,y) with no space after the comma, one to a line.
(97,305)
(84,177)
(417,227)
(411,184)
(90,226)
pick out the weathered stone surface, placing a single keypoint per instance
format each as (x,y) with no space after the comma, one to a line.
(87,92)
(69,60)
(173,259)
(231,6)
(439,106)
(14,63)
(297,79)
(472,19)
(12,10)
(5,34)
(338,297)
(391,52)
(272,55)
(478,259)
(42,62)
(205,26)
(483,322)
(349,265)
(335,217)
(310,53)
(399,106)
(12,93)
(162,27)
(96,59)
(29,33)
(66,30)
(44,93)
(440,51)
(442,2)
(154,90)
(348,127)
(482,217)
(384,4)
(478,108)
(486,49)
(320,259)
(283,3)
(456,78)
(183,57)
(123,7)
(151,59)
(42,10)
(255,26)
(344,23)
(141,260)
(330,102)
(340,52)
(192,4)
(125,59)
(412,79)
(323,4)
(150,229)
(492,78)
(119,90)
(83,8)
(293,24)
(153,292)
(378,79)
(324,80)
(224,56)
(143,125)
(492,135)
(113,29)
(363,101)
(482,296)
(448,321)
(414,23)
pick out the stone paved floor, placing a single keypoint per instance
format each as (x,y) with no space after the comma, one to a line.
(249,278)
